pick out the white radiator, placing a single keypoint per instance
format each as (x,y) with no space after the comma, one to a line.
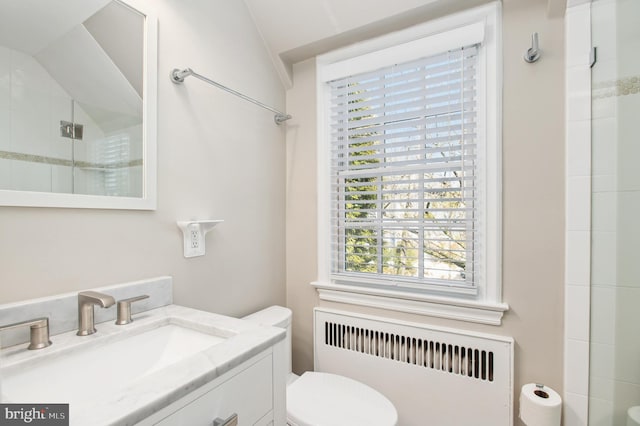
(434,376)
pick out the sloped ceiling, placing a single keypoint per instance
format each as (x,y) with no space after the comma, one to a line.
(295,30)
(29,26)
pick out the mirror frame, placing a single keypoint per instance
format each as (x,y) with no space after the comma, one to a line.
(150,121)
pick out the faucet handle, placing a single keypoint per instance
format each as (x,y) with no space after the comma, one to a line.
(39,329)
(124,309)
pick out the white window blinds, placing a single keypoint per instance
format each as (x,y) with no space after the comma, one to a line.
(403,173)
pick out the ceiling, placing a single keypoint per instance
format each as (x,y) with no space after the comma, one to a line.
(30,26)
(295,30)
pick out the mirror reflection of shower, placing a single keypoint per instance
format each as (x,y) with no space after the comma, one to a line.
(71,99)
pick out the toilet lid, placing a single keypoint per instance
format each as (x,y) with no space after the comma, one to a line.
(323,399)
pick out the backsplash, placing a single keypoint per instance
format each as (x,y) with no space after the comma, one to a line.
(62,309)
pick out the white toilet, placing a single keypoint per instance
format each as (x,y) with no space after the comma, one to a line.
(323,399)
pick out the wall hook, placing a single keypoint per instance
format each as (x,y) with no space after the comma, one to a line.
(533,54)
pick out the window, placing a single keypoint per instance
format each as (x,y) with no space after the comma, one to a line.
(403,164)
(410,185)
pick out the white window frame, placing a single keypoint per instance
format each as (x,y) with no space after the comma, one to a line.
(485,305)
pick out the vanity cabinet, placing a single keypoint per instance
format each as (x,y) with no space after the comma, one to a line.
(252,391)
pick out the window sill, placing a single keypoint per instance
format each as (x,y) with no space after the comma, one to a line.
(461,310)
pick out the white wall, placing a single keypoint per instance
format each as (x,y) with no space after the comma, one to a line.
(533,203)
(218,158)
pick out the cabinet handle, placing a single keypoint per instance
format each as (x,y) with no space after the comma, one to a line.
(231,421)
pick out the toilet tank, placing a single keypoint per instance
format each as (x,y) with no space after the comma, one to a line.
(276,316)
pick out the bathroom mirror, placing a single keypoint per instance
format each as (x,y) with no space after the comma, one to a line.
(78,90)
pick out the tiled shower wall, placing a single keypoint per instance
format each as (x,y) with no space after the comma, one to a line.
(33,155)
(615,287)
(31,107)
(602,348)
(578,217)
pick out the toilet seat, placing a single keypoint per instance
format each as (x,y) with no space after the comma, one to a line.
(323,399)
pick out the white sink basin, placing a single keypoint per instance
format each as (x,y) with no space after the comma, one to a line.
(105,369)
(124,374)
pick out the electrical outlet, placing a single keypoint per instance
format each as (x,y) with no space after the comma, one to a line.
(194,235)
(194,241)
(194,232)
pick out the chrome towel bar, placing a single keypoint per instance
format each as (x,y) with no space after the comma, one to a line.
(177,76)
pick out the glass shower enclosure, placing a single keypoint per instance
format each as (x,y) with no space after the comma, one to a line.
(614,378)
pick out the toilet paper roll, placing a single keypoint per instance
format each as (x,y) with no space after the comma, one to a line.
(540,405)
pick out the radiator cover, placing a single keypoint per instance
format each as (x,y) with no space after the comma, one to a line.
(433,375)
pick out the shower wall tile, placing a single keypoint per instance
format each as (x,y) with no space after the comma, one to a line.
(604,252)
(601,388)
(628,146)
(629,206)
(579,152)
(32,104)
(629,37)
(627,342)
(603,315)
(602,14)
(578,93)
(61,179)
(578,258)
(605,107)
(5,174)
(577,312)
(59,110)
(5,129)
(577,212)
(604,183)
(25,72)
(29,176)
(575,409)
(605,153)
(602,365)
(29,122)
(578,198)
(578,46)
(627,395)
(5,77)
(604,212)
(578,352)
(600,412)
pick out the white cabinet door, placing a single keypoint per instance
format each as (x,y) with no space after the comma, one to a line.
(249,394)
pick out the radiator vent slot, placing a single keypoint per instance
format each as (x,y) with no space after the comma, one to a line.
(436,355)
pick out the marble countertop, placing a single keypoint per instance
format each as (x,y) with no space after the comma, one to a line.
(143,397)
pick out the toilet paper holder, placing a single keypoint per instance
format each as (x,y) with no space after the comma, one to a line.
(540,391)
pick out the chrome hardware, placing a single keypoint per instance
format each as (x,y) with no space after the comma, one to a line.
(39,332)
(124,309)
(533,53)
(593,56)
(71,130)
(177,76)
(86,300)
(230,421)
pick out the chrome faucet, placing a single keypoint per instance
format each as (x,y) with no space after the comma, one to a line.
(86,300)
(39,332)
(124,309)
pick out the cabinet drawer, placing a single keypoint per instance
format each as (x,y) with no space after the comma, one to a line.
(249,394)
